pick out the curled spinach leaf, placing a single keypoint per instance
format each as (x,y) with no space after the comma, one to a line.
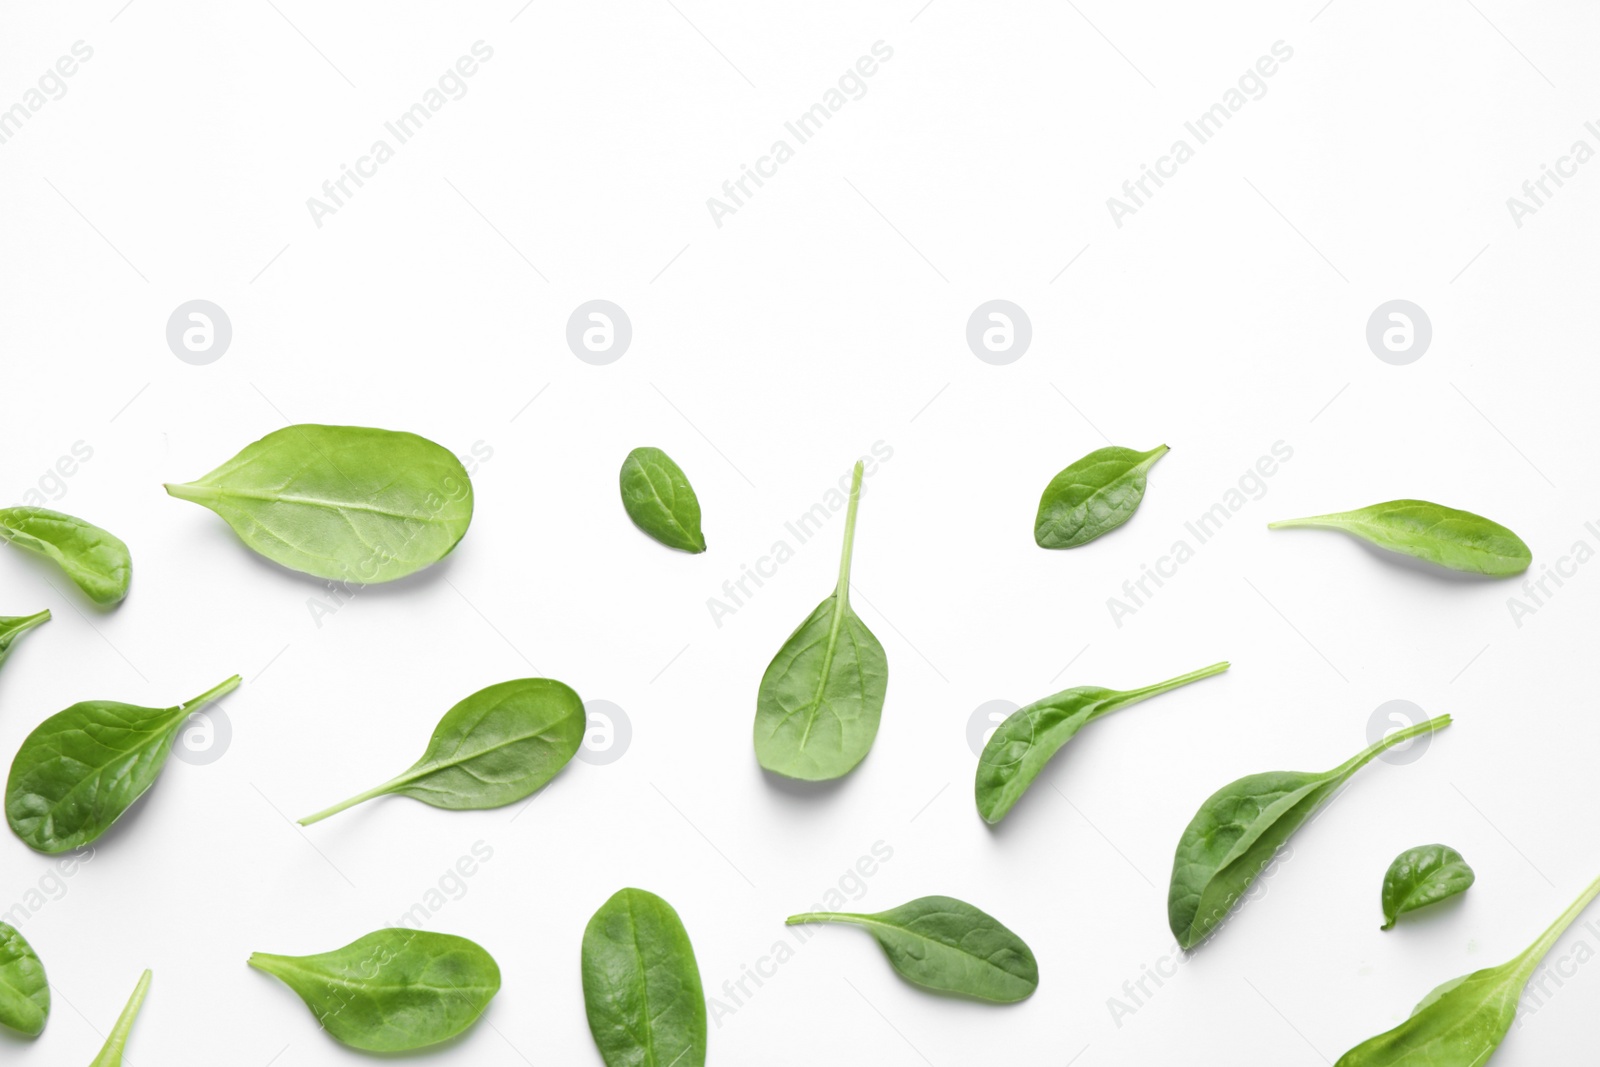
(1448,537)
(641,985)
(82,768)
(111,1053)
(343,502)
(95,560)
(1030,737)
(1240,827)
(822,696)
(496,746)
(1463,1021)
(393,990)
(1421,876)
(1093,496)
(14,626)
(947,945)
(24,990)
(658,498)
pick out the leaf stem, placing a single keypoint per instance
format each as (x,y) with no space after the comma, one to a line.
(842,591)
(1309,520)
(217,692)
(1173,683)
(1547,940)
(825,917)
(28,622)
(359,798)
(112,1052)
(1439,722)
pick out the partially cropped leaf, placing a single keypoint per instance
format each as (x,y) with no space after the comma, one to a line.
(95,560)
(82,768)
(111,1053)
(658,498)
(1030,737)
(24,990)
(13,627)
(947,945)
(342,502)
(822,696)
(493,748)
(1445,536)
(393,990)
(1463,1021)
(1421,876)
(1093,496)
(1239,829)
(641,985)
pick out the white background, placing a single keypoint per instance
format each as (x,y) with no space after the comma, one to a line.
(827,314)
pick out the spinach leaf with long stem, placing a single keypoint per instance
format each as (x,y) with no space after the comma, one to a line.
(1030,737)
(493,748)
(24,990)
(641,984)
(1240,827)
(1463,1021)
(947,945)
(822,695)
(394,990)
(81,768)
(117,1043)
(96,560)
(1448,537)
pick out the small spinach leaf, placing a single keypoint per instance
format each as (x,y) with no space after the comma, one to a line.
(14,626)
(1093,496)
(82,768)
(1463,1021)
(496,746)
(948,945)
(1026,742)
(641,985)
(343,502)
(393,990)
(1421,876)
(95,560)
(658,498)
(1458,540)
(111,1054)
(1239,829)
(24,990)
(822,696)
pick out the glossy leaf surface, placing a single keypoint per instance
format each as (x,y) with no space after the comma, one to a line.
(1421,876)
(641,984)
(1093,496)
(24,990)
(658,498)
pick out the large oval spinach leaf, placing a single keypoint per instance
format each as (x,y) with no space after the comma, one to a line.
(393,990)
(822,695)
(343,502)
(82,768)
(95,560)
(496,746)
(641,985)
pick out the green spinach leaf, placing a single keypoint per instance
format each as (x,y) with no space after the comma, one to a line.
(82,768)
(1239,829)
(497,746)
(95,560)
(111,1053)
(948,945)
(1093,496)
(342,502)
(393,990)
(1421,876)
(14,626)
(24,990)
(1030,737)
(1458,540)
(641,985)
(822,696)
(1463,1021)
(658,498)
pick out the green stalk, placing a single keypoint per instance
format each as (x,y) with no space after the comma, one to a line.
(1399,737)
(842,591)
(216,692)
(359,798)
(1547,940)
(111,1054)
(28,622)
(1133,695)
